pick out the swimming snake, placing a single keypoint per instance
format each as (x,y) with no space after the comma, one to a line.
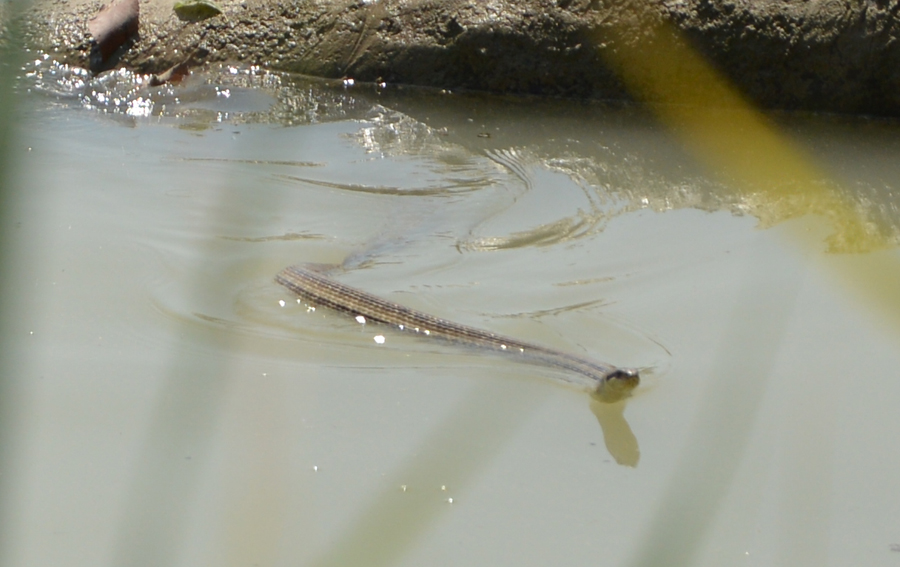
(607,382)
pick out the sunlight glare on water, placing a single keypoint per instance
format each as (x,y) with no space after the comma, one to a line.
(186,409)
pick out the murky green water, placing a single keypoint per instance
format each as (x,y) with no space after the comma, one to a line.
(178,407)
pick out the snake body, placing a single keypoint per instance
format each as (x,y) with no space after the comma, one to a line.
(608,382)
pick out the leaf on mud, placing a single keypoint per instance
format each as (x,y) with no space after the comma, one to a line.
(196,10)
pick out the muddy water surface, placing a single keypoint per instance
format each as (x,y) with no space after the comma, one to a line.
(181,408)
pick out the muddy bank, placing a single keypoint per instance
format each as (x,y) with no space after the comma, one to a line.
(828,55)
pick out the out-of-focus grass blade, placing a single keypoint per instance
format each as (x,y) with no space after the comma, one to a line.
(716,442)
(12,402)
(457,449)
(741,146)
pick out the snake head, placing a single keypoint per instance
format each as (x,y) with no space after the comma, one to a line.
(617,384)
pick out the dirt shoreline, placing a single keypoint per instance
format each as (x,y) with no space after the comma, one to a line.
(816,55)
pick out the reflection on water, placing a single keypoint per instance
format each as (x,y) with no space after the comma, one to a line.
(638,170)
(617,435)
(627,168)
(180,399)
